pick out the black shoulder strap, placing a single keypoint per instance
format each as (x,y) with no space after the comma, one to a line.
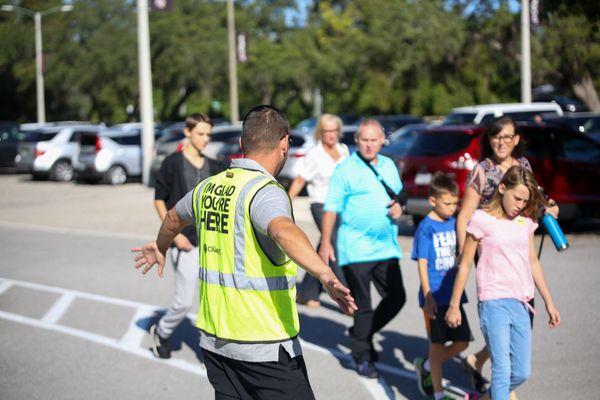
(400,198)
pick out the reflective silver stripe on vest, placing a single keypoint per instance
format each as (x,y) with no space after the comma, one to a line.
(239,279)
(240,225)
(243,282)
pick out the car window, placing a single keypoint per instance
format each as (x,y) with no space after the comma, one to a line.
(296,141)
(127,140)
(529,115)
(228,136)
(579,148)
(8,131)
(592,125)
(39,136)
(437,143)
(77,134)
(540,142)
(459,118)
(348,137)
(402,140)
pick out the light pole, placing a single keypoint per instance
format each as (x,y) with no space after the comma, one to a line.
(39,76)
(145,79)
(525,53)
(233,85)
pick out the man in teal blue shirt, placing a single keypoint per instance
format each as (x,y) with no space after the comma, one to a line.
(367,245)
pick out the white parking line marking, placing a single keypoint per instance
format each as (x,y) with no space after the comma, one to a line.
(131,340)
(135,334)
(58,308)
(378,388)
(89,296)
(75,231)
(4,286)
(197,369)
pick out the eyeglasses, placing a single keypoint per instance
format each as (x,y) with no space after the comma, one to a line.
(336,130)
(506,139)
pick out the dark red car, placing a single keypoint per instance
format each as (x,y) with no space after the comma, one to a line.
(565,163)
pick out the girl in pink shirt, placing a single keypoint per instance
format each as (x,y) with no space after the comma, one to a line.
(507,270)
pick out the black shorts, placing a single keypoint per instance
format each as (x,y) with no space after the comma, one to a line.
(439,331)
(285,379)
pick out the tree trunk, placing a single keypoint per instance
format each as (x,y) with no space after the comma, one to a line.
(585,90)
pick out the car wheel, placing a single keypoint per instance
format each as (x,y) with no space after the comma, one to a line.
(62,171)
(116,175)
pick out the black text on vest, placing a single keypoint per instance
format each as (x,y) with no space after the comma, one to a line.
(214,207)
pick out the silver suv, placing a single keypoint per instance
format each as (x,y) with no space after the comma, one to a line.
(113,155)
(46,152)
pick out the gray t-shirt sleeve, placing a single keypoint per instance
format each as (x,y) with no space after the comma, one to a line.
(185,208)
(269,203)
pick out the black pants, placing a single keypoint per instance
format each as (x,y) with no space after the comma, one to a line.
(387,278)
(286,379)
(311,288)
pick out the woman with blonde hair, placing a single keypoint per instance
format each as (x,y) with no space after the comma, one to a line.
(314,170)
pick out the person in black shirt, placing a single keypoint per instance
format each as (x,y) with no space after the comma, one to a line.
(179,173)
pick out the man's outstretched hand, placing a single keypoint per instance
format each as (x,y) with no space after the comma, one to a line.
(147,256)
(338,292)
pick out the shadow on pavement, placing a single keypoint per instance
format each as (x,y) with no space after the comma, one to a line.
(186,333)
(331,335)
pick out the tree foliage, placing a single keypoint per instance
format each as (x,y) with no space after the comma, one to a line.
(365,56)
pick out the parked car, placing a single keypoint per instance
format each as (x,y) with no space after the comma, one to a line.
(399,142)
(299,146)
(585,122)
(482,114)
(391,123)
(566,164)
(223,141)
(307,126)
(9,139)
(112,155)
(566,103)
(47,152)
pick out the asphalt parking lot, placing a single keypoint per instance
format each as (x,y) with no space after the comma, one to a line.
(74,312)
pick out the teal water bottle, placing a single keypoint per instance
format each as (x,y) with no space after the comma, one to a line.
(555,232)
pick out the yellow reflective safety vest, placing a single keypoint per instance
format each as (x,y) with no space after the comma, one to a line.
(244,295)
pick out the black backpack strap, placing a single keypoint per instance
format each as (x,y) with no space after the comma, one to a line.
(399,198)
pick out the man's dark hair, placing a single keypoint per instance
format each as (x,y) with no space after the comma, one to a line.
(263,127)
(194,119)
(493,129)
(441,184)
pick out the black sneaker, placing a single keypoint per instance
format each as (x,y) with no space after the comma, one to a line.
(424,377)
(479,383)
(160,346)
(367,369)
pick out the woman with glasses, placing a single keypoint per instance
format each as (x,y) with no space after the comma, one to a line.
(502,147)
(315,170)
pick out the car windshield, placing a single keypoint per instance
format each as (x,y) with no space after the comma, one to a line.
(459,118)
(401,140)
(172,135)
(228,136)
(39,135)
(437,143)
(348,136)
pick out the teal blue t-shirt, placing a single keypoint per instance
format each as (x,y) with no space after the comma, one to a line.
(366,232)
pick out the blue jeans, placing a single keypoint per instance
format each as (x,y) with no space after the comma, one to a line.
(507,332)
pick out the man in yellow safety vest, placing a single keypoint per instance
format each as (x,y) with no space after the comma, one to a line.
(249,249)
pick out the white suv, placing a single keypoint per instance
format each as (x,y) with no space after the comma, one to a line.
(46,152)
(484,113)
